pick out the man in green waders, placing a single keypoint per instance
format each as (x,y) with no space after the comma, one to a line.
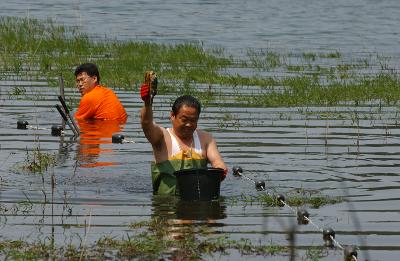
(181,147)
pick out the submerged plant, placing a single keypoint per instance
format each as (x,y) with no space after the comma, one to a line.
(16,92)
(315,254)
(152,244)
(293,198)
(36,161)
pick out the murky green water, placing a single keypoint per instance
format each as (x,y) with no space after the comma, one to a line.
(343,151)
(351,152)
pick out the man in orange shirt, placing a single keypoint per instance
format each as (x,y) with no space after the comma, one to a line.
(97,102)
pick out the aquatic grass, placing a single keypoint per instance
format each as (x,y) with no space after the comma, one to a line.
(244,246)
(146,247)
(263,59)
(331,55)
(229,120)
(41,49)
(196,247)
(240,81)
(315,254)
(294,198)
(314,198)
(37,250)
(310,56)
(20,208)
(154,243)
(36,162)
(16,92)
(20,250)
(300,90)
(143,245)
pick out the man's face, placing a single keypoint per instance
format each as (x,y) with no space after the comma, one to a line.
(185,121)
(85,83)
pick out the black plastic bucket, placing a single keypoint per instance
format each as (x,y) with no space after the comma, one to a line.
(199,184)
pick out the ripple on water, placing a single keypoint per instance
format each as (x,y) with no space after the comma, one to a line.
(341,159)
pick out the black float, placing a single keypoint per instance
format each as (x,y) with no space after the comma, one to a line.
(328,234)
(237,171)
(280,200)
(302,217)
(350,253)
(22,125)
(117,138)
(260,185)
(56,130)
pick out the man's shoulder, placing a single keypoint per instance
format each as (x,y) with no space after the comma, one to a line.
(204,135)
(164,130)
(203,132)
(99,90)
(90,96)
(102,88)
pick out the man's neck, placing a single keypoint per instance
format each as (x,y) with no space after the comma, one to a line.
(186,140)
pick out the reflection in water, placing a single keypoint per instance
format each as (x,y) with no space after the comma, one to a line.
(94,133)
(182,216)
(184,219)
(200,210)
(171,207)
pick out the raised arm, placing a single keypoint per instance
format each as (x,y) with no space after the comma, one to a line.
(152,131)
(148,90)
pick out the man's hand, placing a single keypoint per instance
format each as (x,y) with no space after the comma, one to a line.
(145,93)
(224,174)
(149,88)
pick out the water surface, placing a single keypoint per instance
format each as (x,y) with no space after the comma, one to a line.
(341,151)
(283,146)
(347,26)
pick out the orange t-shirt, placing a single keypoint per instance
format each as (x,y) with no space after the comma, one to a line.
(100,103)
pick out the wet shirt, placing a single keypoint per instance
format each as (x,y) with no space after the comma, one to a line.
(100,103)
(163,178)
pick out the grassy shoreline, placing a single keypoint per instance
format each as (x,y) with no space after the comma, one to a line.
(37,49)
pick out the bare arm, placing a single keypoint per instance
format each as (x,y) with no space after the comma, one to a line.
(213,155)
(152,131)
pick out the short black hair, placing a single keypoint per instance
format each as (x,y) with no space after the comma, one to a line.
(90,69)
(187,100)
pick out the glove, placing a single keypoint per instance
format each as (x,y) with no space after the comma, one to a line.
(224,174)
(145,92)
(149,88)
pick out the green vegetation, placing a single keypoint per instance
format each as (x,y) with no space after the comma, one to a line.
(314,198)
(36,161)
(315,254)
(157,241)
(297,197)
(42,50)
(38,50)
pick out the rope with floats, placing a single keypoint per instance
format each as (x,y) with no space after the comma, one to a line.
(303,217)
(56,130)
